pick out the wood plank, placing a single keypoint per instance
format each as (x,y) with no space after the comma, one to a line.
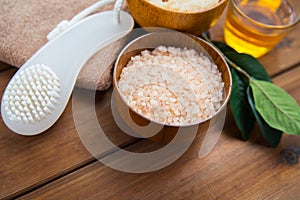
(285,55)
(4,66)
(28,162)
(290,79)
(59,151)
(282,57)
(233,170)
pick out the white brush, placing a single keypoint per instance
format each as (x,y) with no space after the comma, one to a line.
(38,93)
(31,94)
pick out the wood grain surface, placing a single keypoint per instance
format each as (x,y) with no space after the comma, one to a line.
(3,66)
(233,170)
(56,165)
(28,162)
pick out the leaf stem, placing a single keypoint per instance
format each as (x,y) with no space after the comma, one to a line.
(231,63)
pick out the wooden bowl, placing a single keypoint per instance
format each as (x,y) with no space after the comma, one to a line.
(151,41)
(147,14)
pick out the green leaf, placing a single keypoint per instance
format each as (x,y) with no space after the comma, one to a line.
(273,136)
(250,64)
(276,106)
(239,105)
(247,62)
(223,47)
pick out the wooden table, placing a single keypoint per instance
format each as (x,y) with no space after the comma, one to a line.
(56,165)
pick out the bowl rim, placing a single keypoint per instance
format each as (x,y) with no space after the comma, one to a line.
(182,12)
(236,8)
(225,100)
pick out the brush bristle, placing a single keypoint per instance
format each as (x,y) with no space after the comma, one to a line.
(32,94)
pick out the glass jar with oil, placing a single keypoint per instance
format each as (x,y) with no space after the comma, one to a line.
(257,26)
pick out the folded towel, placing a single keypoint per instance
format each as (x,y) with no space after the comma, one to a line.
(24,25)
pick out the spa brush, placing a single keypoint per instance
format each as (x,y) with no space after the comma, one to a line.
(38,93)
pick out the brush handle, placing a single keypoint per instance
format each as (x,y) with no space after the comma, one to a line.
(65,24)
(32,103)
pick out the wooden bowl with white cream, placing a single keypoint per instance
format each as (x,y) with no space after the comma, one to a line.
(182,15)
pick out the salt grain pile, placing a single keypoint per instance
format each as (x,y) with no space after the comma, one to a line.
(185,5)
(172,86)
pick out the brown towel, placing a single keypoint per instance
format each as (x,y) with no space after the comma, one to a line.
(24,25)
